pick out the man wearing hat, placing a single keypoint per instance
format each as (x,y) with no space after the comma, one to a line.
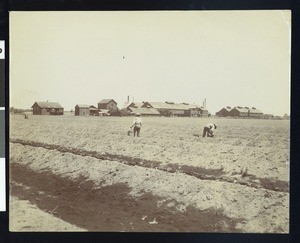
(137,124)
(209,130)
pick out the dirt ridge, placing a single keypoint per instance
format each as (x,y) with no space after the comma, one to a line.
(198,172)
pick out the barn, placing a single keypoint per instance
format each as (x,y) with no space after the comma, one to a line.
(246,112)
(108,104)
(82,110)
(239,111)
(94,111)
(47,108)
(224,112)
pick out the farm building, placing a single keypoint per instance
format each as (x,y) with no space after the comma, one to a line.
(176,109)
(239,111)
(136,104)
(198,112)
(108,104)
(224,111)
(144,111)
(246,112)
(47,108)
(82,110)
(94,111)
(255,113)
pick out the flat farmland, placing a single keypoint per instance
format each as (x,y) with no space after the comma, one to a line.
(89,173)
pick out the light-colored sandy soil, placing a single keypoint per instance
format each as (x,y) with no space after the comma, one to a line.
(25,216)
(259,146)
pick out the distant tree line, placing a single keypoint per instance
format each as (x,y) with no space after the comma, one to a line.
(18,111)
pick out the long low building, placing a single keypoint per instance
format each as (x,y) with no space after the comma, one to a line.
(239,111)
(143,111)
(47,108)
(176,109)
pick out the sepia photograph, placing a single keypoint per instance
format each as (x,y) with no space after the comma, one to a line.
(149,121)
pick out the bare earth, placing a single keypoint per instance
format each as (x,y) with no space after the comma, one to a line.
(27,217)
(87,172)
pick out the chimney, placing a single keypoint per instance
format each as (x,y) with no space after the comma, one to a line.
(128,99)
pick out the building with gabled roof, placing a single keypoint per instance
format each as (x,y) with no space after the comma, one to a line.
(144,111)
(170,108)
(224,111)
(94,111)
(82,110)
(47,108)
(108,104)
(239,111)
(136,104)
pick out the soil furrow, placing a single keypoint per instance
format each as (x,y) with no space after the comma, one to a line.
(111,208)
(198,172)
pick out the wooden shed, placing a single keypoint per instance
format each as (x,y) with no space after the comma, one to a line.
(94,111)
(82,110)
(47,108)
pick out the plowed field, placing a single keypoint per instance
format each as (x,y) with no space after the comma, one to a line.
(88,172)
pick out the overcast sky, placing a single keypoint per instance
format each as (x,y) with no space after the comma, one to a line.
(235,58)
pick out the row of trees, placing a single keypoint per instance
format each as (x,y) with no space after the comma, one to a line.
(18,111)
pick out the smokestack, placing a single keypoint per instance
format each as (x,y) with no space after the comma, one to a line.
(128,98)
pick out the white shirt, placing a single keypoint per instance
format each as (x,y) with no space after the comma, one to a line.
(137,121)
(211,126)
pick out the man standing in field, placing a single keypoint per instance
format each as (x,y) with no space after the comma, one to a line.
(137,124)
(209,130)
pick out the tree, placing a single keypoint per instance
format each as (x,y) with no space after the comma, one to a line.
(286,116)
(125,112)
